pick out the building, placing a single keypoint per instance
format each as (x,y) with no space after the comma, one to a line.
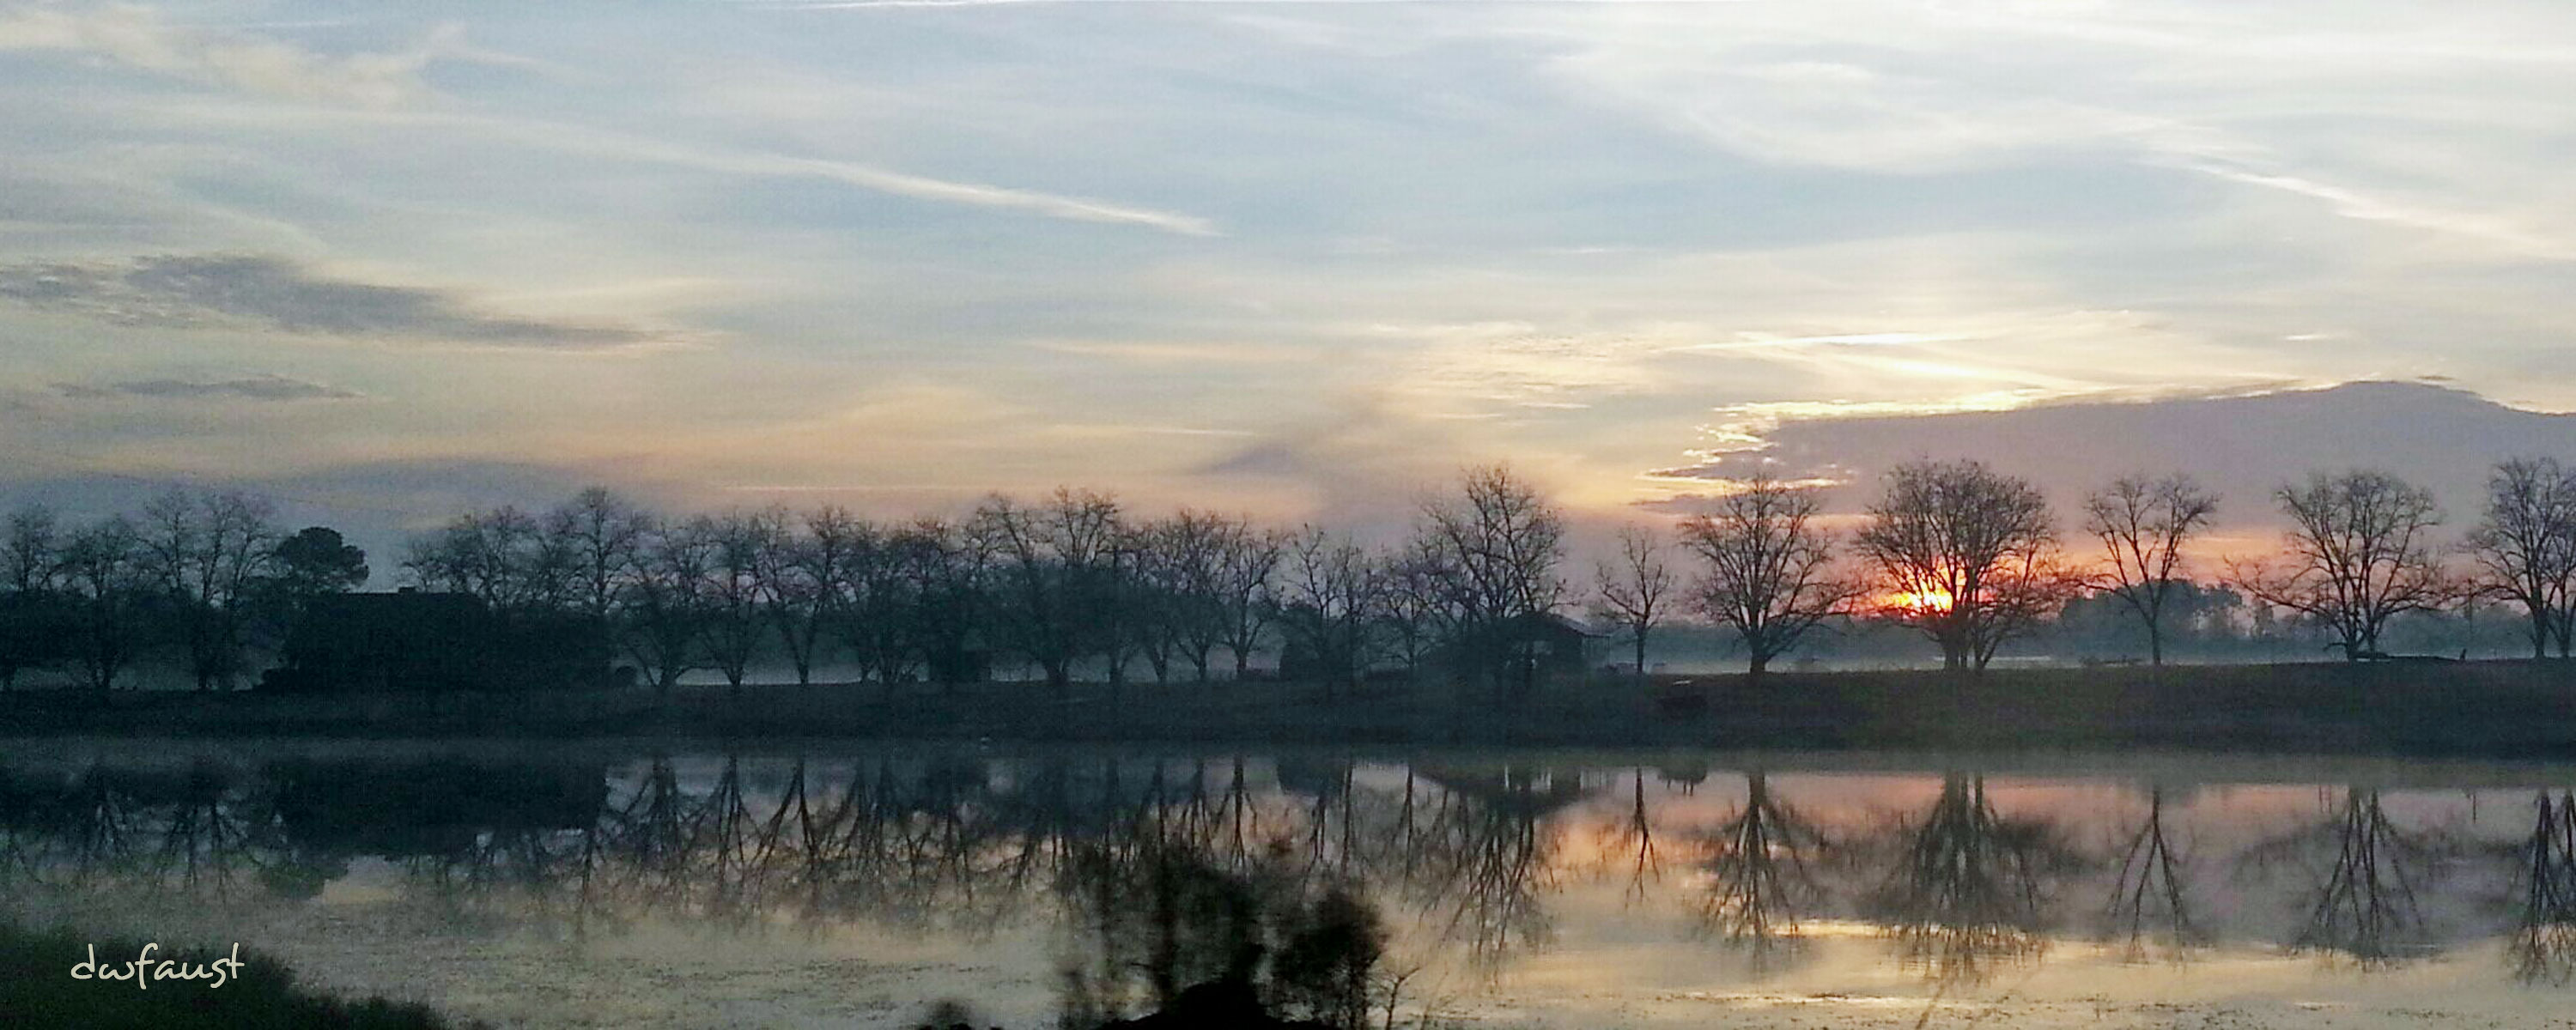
(1545,645)
(433,641)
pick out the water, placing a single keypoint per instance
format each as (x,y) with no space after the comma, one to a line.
(601,885)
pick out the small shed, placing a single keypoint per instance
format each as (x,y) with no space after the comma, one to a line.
(1549,644)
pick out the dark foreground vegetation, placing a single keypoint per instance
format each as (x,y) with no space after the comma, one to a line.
(2487,708)
(37,992)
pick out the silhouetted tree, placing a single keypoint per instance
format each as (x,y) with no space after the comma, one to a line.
(501,557)
(316,562)
(745,546)
(1636,591)
(1967,551)
(1247,557)
(1411,606)
(2525,546)
(109,580)
(663,612)
(1328,599)
(1053,573)
(2143,525)
(809,598)
(209,554)
(1491,552)
(35,617)
(598,533)
(2358,556)
(1769,574)
(948,568)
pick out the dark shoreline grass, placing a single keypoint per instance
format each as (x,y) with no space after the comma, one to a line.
(37,992)
(2488,709)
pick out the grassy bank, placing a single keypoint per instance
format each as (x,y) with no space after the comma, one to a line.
(38,991)
(2500,709)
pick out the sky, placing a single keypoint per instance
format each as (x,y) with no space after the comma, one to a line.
(386,261)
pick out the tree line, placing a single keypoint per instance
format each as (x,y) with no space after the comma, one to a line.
(202,577)
(1075,584)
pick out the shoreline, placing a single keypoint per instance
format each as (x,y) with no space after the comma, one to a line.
(2515,709)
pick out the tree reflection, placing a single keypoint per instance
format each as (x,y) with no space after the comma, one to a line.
(2148,904)
(1628,840)
(2543,947)
(1484,857)
(1970,888)
(2363,904)
(1758,876)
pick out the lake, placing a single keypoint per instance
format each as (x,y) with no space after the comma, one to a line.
(606,884)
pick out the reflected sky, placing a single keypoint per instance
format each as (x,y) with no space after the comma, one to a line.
(605,886)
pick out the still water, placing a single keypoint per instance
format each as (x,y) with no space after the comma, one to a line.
(604,885)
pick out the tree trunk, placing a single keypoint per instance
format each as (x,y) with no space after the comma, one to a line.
(1761,663)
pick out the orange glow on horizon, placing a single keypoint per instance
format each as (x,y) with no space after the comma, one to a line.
(1925,601)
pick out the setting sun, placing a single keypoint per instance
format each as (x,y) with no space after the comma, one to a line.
(1934,600)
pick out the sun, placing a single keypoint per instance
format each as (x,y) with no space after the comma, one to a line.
(1921,602)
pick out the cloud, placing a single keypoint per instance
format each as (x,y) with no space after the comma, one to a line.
(2240,446)
(263,292)
(141,39)
(270,388)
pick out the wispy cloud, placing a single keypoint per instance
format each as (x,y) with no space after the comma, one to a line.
(264,292)
(140,38)
(267,388)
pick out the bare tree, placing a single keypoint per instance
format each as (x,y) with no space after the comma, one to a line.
(1054,564)
(2142,524)
(1770,567)
(1637,591)
(2358,556)
(1411,607)
(1247,558)
(1492,550)
(663,614)
(594,537)
(32,612)
(501,557)
(2525,546)
(1967,553)
(807,598)
(109,577)
(948,569)
(737,609)
(1327,600)
(208,554)
(31,553)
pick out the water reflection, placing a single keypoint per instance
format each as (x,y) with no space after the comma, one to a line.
(2150,907)
(2543,947)
(1156,874)
(1760,879)
(2362,903)
(1970,888)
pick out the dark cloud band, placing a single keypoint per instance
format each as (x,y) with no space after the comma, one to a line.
(252,388)
(231,291)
